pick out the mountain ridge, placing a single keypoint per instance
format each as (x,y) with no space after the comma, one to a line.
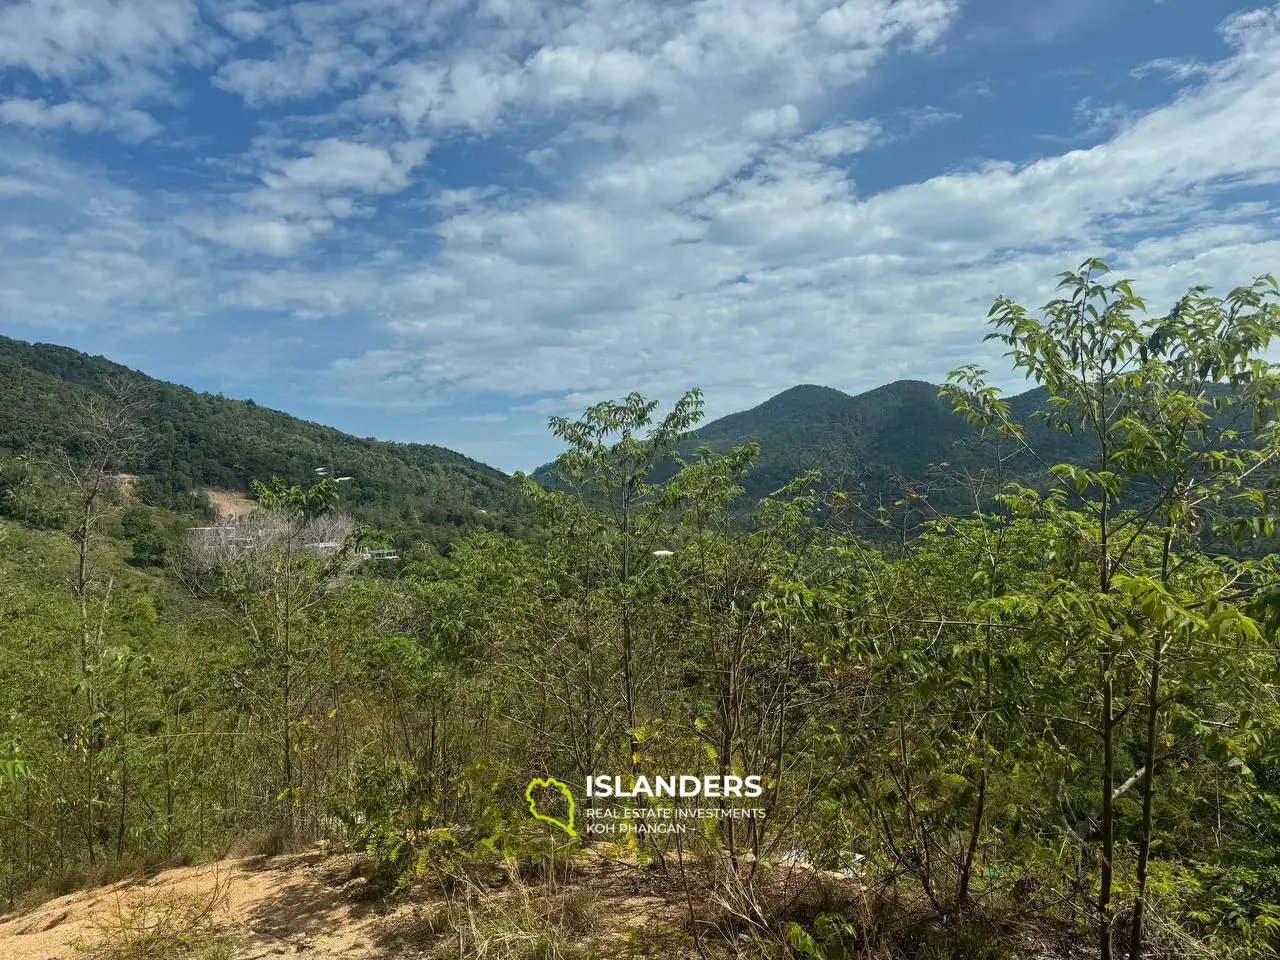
(880,440)
(202,441)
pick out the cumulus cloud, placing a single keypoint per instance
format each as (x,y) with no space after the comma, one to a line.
(788,261)
(615,53)
(245,24)
(842,139)
(80,251)
(278,237)
(132,125)
(85,38)
(336,164)
(543,204)
(299,197)
(772,122)
(115,54)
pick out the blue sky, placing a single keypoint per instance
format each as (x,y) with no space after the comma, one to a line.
(446,221)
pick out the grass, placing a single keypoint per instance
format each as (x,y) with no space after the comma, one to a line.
(514,921)
(162,926)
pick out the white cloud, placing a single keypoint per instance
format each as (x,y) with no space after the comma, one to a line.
(1173,68)
(772,121)
(561,202)
(1095,119)
(839,287)
(11,187)
(83,252)
(116,55)
(85,38)
(132,125)
(568,74)
(469,93)
(246,24)
(299,198)
(300,72)
(843,139)
(335,164)
(1252,31)
(278,237)
(614,52)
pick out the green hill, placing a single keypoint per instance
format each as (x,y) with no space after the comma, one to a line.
(881,440)
(200,441)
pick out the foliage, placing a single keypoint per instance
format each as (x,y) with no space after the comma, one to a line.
(200,441)
(1051,710)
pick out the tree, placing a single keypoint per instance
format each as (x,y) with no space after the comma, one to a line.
(109,438)
(1181,412)
(274,568)
(613,451)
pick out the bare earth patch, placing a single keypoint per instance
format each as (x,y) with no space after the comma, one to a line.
(320,907)
(124,483)
(284,905)
(229,503)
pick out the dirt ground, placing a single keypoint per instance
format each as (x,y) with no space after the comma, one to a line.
(229,503)
(272,906)
(319,907)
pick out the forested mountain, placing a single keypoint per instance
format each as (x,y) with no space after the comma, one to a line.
(876,440)
(898,437)
(200,440)
(880,442)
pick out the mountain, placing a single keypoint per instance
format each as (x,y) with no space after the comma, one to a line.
(880,442)
(899,429)
(876,439)
(202,442)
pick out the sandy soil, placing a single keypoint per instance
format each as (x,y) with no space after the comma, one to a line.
(229,503)
(319,907)
(284,905)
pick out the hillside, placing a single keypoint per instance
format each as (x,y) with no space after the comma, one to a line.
(880,440)
(202,441)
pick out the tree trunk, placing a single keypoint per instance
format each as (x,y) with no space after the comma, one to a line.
(1105,913)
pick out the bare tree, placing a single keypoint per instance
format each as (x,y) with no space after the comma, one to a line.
(109,438)
(255,541)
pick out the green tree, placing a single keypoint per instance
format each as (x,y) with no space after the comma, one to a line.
(1180,410)
(614,449)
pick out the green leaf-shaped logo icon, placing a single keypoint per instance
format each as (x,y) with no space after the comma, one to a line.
(533,804)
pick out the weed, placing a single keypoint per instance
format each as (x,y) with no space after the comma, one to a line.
(163,927)
(518,922)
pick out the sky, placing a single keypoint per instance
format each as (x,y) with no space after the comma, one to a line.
(445,221)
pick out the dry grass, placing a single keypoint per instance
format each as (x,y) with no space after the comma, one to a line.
(265,842)
(84,877)
(161,926)
(514,921)
(599,903)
